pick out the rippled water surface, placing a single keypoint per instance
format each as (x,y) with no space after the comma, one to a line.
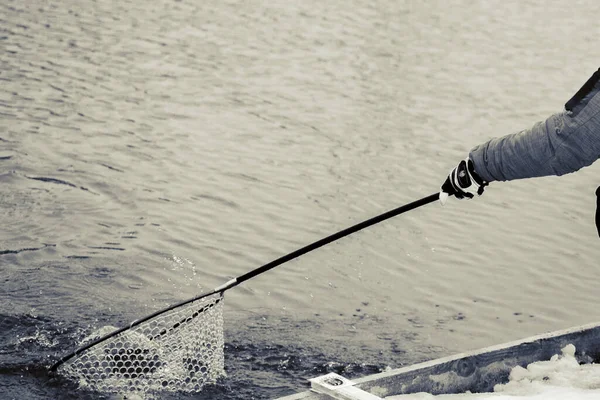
(150,151)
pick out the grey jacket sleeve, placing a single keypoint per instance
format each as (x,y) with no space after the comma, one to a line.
(563,143)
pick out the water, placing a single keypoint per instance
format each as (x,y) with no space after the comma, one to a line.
(152,151)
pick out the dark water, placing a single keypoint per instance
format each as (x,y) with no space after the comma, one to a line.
(256,367)
(150,151)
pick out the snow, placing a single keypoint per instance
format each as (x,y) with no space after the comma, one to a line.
(560,378)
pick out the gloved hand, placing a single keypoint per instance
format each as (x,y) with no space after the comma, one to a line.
(462,182)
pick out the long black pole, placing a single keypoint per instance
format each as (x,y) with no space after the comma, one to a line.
(338,235)
(242,278)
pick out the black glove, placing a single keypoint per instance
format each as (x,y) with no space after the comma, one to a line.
(598,210)
(462,182)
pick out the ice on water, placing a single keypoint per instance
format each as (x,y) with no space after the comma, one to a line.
(560,378)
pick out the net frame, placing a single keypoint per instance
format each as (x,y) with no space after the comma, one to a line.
(179,349)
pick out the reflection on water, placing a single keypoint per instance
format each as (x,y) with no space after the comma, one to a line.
(151,151)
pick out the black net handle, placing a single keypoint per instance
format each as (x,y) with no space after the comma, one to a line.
(236,281)
(338,235)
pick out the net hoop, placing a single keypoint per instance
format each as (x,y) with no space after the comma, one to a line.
(178,349)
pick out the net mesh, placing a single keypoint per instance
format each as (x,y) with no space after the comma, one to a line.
(180,350)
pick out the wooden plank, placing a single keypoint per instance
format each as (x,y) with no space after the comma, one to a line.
(476,371)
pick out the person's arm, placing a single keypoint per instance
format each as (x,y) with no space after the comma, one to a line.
(563,143)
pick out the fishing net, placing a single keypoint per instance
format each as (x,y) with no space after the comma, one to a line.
(180,350)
